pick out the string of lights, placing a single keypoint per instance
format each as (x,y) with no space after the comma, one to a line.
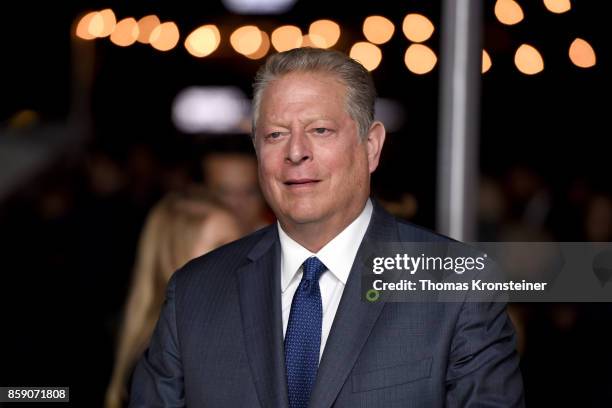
(253,43)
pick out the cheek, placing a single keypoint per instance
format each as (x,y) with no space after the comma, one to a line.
(265,160)
(351,166)
(265,175)
(267,182)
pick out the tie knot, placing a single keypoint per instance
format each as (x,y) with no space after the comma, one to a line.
(313,268)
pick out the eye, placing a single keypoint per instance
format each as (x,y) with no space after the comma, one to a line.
(273,135)
(321,131)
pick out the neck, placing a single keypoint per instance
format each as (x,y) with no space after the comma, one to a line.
(315,235)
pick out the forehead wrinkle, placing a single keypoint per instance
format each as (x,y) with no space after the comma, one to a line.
(293,93)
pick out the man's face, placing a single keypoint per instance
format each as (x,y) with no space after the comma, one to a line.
(313,169)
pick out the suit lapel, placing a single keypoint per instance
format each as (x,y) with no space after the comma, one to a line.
(354,319)
(260,305)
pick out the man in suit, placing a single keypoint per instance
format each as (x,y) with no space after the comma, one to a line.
(277,319)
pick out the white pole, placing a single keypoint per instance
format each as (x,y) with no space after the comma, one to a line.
(460,60)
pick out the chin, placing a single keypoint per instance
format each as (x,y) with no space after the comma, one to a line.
(302,218)
(303,215)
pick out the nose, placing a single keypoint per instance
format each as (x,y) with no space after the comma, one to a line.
(298,148)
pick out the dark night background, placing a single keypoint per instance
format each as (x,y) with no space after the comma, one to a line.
(67,249)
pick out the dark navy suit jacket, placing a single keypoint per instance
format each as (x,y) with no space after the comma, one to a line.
(219,339)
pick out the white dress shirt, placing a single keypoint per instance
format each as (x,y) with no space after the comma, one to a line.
(338,256)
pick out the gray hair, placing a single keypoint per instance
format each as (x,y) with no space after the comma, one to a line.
(360,90)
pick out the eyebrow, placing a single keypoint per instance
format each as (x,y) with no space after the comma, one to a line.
(304,122)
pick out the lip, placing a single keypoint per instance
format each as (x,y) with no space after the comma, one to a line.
(301,182)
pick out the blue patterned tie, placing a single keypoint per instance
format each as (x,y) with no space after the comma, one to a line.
(303,336)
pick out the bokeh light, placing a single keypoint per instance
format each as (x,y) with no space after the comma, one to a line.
(420,59)
(146,25)
(203,41)
(486,61)
(246,39)
(82,29)
(417,27)
(286,38)
(508,12)
(378,29)
(108,23)
(582,54)
(528,60)
(125,32)
(390,112)
(324,33)
(214,109)
(96,25)
(263,48)
(368,54)
(259,6)
(558,6)
(165,36)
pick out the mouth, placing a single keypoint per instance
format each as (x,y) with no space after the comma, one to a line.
(303,182)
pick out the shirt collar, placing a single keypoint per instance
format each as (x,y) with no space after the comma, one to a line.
(337,255)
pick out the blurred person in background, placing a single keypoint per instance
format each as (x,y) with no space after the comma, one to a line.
(492,209)
(598,218)
(232,178)
(182,226)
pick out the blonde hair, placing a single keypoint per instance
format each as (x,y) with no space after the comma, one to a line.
(166,243)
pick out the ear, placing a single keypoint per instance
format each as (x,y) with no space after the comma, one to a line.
(375,141)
